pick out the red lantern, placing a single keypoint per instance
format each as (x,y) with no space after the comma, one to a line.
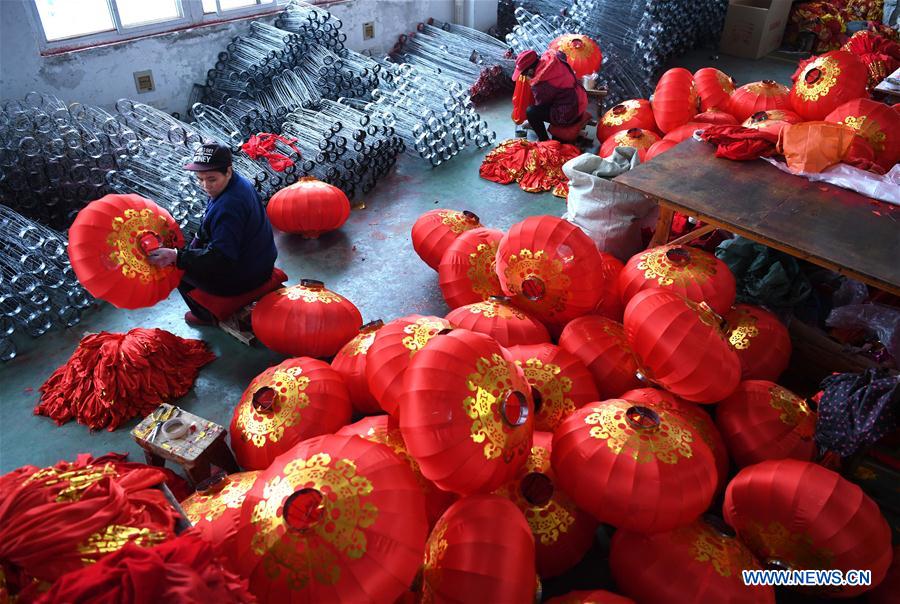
(562,533)
(875,122)
(761,420)
(633,137)
(108,246)
(759,96)
(633,113)
(480,551)
(610,305)
(305,320)
(390,353)
(379,429)
(772,121)
(350,363)
(824,83)
(681,346)
(674,100)
(761,341)
(466,270)
(601,345)
(560,382)
(215,510)
(715,117)
(309,207)
(682,133)
(551,269)
(468,414)
(335,519)
(500,320)
(582,54)
(597,596)
(714,88)
(698,563)
(435,230)
(285,404)
(637,467)
(688,271)
(800,515)
(658,148)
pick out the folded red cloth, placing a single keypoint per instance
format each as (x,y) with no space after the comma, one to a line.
(739,143)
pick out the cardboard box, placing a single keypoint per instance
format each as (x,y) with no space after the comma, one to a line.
(754,28)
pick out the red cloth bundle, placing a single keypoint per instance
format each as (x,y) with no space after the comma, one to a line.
(522,99)
(113,377)
(536,166)
(739,143)
(263,145)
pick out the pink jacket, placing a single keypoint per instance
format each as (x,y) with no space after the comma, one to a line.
(554,83)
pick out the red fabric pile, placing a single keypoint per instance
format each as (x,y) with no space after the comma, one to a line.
(536,166)
(264,145)
(739,143)
(113,377)
(880,54)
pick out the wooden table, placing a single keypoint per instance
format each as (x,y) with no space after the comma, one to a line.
(826,225)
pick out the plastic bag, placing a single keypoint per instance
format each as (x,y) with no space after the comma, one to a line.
(879,319)
(884,187)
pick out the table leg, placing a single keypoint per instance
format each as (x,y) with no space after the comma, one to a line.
(663,226)
(152,459)
(222,456)
(199,470)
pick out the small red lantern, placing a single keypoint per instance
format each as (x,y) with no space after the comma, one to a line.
(582,54)
(309,207)
(335,519)
(637,467)
(759,96)
(390,353)
(688,271)
(714,88)
(610,305)
(761,341)
(562,533)
(715,117)
(824,83)
(435,230)
(682,133)
(468,414)
(500,320)
(761,420)
(681,346)
(305,320)
(215,510)
(799,515)
(658,148)
(560,382)
(601,345)
(481,550)
(633,137)
(466,271)
(597,596)
(698,563)
(285,404)
(875,122)
(350,362)
(633,113)
(772,121)
(674,100)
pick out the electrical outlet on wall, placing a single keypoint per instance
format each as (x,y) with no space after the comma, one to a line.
(368,30)
(143,81)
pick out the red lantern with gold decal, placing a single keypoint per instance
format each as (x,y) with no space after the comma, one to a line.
(761,341)
(759,96)
(309,207)
(637,467)
(285,404)
(562,533)
(801,516)
(633,113)
(305,320)
(582,54)
(597,596)
(875,122)
(601,345)
(824,83)
(675,99)
(215,510)
(633,137)
(435,230)
(466,271)
(772,121)
(350,362)
(391,351)
(468,414)
(714,88)
(698,563)
(334,519)
(501,320)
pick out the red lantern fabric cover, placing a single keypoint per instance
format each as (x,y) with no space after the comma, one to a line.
(601,345)
(435,230)
(350,363)
(824,83)
(309,207)
(468,413)
(674,100)
(560,382)
(697,563)
(761,341)
(335,519)
(715,117)
(689,271)
(285,404)
(772,121)
(682,133)
(215,512)
(714,88)
(761,420)
(390,353)
(637,467)
(523,98)
(466,272)
(500,320)
(582,54)
(807,517)
(633,137)
(875,122)
(610,304)
(108,246)
(597,596)
(481,550)
(305,320)
(759,96)
(633,113)
(658,148)
(681,346)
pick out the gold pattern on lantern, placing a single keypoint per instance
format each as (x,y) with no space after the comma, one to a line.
(394,440)
(667,442)
(435,549)
(310,294)
(577,46)
(727,555)
(114,537)
(492,309)
(76,480)
(793,410)
(829,70)
(707,316)
(868,128)
(490,382)
(638,140)
(554,391)
(458,221)
(124,243)
(313,554)
(617,117)
(725,81)
(768,89)
(361,343)
(257,426)
(482,271)
(743,330)
(209,507)
(775,542)
(420,332)
(528,265)
(657,267)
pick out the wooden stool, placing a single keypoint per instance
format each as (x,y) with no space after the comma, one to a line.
(196,451)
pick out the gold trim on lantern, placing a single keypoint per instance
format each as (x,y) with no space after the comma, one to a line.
(420,332)
(527,265)
(610,118)
(793,410)
(553,388)
(492,309)
(123,242)
(868,128)
(210,507)
(457,221)
(489,383)
(744,330)
(727,555)
(657,267)
(310,295)
(777,542)
(482,271)
(260,427)
(667,443)
(829,70)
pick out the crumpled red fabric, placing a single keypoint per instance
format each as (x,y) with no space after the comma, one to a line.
(536,166)
(739,143)
(113,377)
(522,99)
(184,570)
(263,145)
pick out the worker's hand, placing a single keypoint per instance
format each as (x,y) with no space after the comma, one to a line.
(162,257)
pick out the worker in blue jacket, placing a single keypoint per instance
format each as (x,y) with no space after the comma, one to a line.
(234,250)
